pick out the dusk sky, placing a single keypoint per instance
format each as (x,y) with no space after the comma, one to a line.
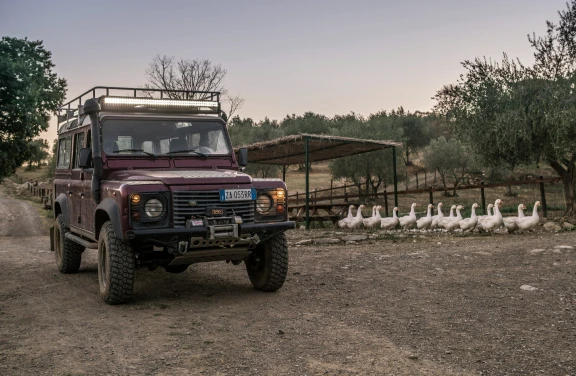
(284,57)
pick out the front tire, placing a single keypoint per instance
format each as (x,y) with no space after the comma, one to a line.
(116,266)
(267,267)
(68,253)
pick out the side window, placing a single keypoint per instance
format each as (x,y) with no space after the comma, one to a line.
(78,144)
(148,146)
(64,151)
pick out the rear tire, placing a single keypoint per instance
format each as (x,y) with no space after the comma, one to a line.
(68,253)
(267,267)
(116,266)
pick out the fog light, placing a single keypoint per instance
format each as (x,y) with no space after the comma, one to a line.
(135,199)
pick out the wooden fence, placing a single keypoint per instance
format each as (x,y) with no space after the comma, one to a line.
(345,196)
(44,193)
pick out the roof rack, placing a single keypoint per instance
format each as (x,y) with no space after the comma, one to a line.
(71,111)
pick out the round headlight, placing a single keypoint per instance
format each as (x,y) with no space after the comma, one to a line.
(153,208)
(263,203)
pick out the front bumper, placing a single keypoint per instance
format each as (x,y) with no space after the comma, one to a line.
(265,229)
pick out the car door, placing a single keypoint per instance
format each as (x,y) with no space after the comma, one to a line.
(75,186)
(63,173)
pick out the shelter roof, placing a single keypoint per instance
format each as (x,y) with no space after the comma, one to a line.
(290,150)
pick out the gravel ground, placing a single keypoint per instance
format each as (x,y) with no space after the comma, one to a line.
(399,304)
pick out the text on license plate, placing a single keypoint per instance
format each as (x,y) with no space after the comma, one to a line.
(238,194)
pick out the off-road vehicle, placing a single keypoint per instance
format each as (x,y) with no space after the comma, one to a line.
(150,179)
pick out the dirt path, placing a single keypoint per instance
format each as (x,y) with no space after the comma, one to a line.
(394,306)
(18,217)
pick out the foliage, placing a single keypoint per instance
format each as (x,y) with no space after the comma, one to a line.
(53,158)
(246,131)
(416,132)
(515,114)
(451,159)
(29,93)
(165,72)
(369,170)
(38,152)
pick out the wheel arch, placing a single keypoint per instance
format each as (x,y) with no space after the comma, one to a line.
(108,210)
(61,207)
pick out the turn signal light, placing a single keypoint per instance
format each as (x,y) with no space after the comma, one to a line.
(280,208)
(135,199)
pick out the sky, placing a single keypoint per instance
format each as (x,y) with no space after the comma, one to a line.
(284,57)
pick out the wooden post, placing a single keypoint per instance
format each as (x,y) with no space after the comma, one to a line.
(297,199)
(483,198)
(417,180)
(346,197)
(543,199)
(331,189)
(315,194)
(425,178)
(386,202)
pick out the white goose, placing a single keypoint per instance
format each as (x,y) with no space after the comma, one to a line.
(481,218)
(367,220)
(455,223)
(390,223)
(424,223)
(528,223)
(375,220)
(510,222)
(343,223)
(408,221)
(448,219)
(438,217)
(469,224)
(496,220)
(356,222)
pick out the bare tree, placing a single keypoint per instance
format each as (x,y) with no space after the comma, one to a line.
(165,72)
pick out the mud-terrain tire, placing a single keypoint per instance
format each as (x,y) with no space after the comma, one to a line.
(116,267)
(267,267)
(176,268)
(68,253)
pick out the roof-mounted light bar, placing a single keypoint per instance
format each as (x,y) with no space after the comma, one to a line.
(152,104)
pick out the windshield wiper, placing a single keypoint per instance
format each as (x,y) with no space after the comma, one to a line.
(136,150)
(187,151)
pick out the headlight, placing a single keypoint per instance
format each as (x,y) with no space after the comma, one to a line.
(154,208)
(263,203)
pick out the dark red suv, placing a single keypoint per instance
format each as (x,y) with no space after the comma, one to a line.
(152,180)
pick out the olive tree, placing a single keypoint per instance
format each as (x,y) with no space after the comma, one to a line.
(29,93)
(451,159)
(515,114)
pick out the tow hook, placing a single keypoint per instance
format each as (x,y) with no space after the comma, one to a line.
(182,247)
(253,241)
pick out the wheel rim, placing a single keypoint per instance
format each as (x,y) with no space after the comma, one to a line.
(102,265)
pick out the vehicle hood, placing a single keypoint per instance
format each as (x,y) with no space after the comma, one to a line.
(183,177)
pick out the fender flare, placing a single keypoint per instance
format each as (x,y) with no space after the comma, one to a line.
(110,208)
(62,201)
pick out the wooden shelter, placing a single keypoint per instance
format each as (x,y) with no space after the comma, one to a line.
(305,148)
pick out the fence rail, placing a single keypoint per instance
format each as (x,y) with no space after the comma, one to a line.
(299,198)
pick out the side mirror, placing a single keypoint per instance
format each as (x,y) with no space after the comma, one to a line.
(85,160)
(243,157)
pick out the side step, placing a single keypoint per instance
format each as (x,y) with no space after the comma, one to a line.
(79,240)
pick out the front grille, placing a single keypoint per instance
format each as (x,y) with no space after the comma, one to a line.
(183,210)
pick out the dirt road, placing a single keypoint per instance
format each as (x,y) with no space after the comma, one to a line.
(393,305)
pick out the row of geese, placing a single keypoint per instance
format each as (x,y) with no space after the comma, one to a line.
(454,221)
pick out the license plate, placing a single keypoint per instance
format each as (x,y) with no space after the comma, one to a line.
(238,194)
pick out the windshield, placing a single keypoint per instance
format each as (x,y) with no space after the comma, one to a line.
(162,137)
